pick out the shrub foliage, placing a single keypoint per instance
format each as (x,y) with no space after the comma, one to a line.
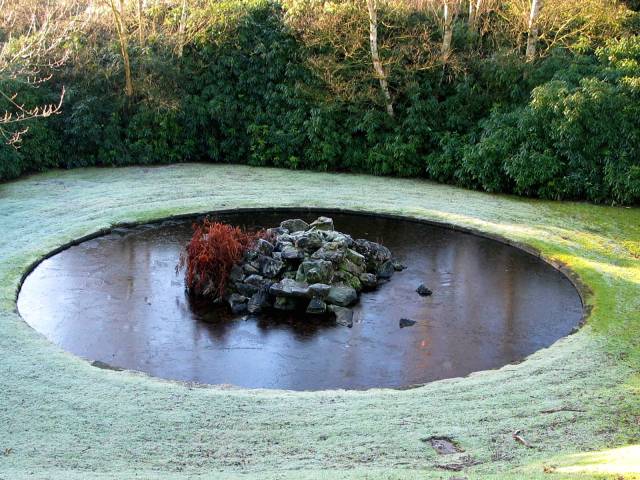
(290,84)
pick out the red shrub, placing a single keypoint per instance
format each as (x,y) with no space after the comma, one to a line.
(211,253)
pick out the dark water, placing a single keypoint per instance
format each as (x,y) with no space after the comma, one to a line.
(117,299)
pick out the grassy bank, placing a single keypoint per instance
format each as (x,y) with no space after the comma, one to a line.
(62,418)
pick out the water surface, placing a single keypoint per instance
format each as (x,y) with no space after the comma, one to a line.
(118,300)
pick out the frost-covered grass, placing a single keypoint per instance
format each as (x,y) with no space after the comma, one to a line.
(62,418)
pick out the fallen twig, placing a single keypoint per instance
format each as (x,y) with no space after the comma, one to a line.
(520,439)
(561,409)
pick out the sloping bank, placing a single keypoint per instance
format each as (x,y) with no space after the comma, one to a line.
(576,402)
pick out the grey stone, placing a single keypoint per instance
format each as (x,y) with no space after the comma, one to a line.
(315,271)
(294,225)
(275,231)
(258,302)
(257,280)
(386,270)
(322,223)
(250,269)
(331,252)
(348,266)
(292,254)
(406,322)
(343,240)
(344,316)
(238,303)
(264,247)
(342,295)
(348,279)
(316,306)
(320,290)
(310,241)
(374,253)
(282,244)
(289,288)
(270,267)
(355,257)
(398,266)
(423,291)
(368,281)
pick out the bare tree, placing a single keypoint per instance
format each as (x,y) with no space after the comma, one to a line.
(118,19)
(182,28)
(375,56)
(140,12)
(475,7)
(532,37)
(30,62)
(450,11)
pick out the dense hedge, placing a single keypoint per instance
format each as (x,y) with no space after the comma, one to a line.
(565,127)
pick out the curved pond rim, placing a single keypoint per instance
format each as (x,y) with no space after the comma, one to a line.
(581,288)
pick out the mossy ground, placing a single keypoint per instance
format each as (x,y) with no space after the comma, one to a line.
(62,418)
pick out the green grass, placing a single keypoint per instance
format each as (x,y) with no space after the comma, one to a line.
(62,418)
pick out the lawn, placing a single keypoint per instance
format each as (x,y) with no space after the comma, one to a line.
(576,403)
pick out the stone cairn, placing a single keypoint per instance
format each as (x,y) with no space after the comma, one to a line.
(308,267)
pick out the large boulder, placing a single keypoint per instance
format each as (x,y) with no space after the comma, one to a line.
(348,266)
(294,225)
(368,281)
(238,303)
(289,288)
(342,295)
(315,271)
(310,241)
(348,279)
(270,267)
(332,252)
(322,223)
(264,247)
(258,302)
(291,254)
(374,253)
(385,270)
(355,257)
(320,290)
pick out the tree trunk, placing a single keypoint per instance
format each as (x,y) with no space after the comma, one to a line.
(375,57)
(182,28)
(448,31)
(124,49)
(474,12)
(140,23)
(532,37)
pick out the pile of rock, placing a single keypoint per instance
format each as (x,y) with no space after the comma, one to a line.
(308,267)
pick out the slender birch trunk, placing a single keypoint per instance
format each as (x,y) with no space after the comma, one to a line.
(375,57)
(532,37)
(182,28)
(140,23)
(124,48)
(474,13)
(448,31)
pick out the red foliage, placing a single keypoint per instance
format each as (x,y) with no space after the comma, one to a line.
(211,253)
